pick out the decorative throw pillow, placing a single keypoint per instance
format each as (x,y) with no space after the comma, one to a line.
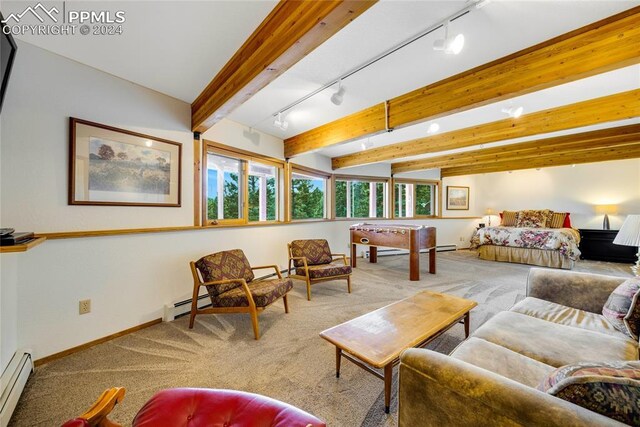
(622,308)
(557,220)
(533,219)
(509,218)
(608,388)
(567,221)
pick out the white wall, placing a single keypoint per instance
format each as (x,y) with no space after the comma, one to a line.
(572,189)
(129,278)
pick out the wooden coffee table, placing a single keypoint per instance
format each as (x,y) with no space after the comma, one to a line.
(375,340)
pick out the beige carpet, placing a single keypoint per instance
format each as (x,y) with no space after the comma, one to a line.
(290,362)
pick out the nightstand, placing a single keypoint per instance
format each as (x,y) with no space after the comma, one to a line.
(598,245)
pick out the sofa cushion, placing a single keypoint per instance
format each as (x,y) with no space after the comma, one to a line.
(623,308)
(502,361)
(608,388)
(315,250)
(264,292)
(325,270)
(554,344)
(224,265)
(563,315)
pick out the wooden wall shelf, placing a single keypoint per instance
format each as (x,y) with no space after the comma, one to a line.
(23,247)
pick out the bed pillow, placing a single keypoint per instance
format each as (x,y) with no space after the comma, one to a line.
(533,219)
(567,221)
(509,218)
(622,308)
(557,220)
(608,388)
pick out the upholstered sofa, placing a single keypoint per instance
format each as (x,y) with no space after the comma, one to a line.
(491,378)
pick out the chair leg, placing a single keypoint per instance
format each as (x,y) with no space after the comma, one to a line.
(308,289)
(349,284)
(254,322)
(194,306)
(286,303)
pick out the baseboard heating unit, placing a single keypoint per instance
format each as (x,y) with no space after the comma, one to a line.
(12,382)
(389,252)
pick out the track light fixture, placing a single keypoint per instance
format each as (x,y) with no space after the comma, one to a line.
(513,112)
(280,123)
(338,97)
(450,45)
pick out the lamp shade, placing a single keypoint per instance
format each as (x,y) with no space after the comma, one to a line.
(607,209)
(489,211)
(629,234)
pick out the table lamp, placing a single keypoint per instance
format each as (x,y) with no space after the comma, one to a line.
(488,212)
(606,210)
(629,235)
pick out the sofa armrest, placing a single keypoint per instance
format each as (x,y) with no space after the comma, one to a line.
(436,389)
(584,291)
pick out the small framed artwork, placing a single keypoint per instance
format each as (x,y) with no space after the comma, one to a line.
(457,198)
(117,167)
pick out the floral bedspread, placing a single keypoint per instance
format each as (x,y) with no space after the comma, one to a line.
(564,240)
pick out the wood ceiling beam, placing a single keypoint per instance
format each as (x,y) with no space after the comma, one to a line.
(604,138)
(586,156)
(620,106)
(603,46)
(291,31)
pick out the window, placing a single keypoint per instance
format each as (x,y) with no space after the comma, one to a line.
(308,194)
(414,198)
(360,198)
(240,187)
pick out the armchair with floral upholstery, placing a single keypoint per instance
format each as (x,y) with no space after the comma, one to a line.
(314,262)
(229,280)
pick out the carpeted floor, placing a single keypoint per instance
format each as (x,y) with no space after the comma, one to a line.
(290,362)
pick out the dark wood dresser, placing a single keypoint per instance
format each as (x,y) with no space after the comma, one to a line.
(598,245)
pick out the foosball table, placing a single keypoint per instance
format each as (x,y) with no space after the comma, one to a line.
(411,237)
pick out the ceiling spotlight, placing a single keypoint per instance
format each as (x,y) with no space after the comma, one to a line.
(450,45)
(513,112)
(573,166)
(482,3)
(338,97)
(366,144)
(148,143)
(279,122)
(433,128)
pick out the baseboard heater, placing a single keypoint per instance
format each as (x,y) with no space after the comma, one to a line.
(182,308)
(389,252)
(13,380)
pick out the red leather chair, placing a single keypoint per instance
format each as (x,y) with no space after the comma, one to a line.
(197,407)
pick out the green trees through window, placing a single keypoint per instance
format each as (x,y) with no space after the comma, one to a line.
(353,199)
(413,199)
(307,197)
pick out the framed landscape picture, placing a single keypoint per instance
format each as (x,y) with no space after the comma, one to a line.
(110,166)
(457,198)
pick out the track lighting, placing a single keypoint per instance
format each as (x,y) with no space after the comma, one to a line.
(450,45)
(433,128)
(338,97)
(513,112)
(279,122)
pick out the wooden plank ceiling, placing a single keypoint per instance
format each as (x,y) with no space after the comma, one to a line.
(610,108)
(291,31)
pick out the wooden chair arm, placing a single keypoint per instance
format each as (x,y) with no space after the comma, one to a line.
(222,282)
(344,257)
(304,261)
(275,267)
(96,416)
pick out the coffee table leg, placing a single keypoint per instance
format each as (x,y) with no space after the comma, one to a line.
(338,358)
(466,325)
(388,372)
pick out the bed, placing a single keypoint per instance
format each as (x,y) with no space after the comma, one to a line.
(542,246)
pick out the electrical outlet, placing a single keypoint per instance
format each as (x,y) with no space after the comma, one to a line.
(462,239)
(84,306)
